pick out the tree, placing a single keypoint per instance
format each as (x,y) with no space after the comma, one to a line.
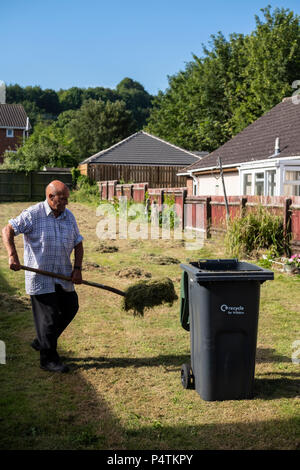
(47,146)
(49,102)
(137,100)
(39,104)
(15,94)
(70,99)
(273,63)
(100,93)
(98,125)
(234,83)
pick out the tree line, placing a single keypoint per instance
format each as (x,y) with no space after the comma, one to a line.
(235,82)
(216,96)
(73,124)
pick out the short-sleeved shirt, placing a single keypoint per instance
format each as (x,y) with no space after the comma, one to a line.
(48,244)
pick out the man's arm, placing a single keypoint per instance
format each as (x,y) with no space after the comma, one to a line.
(8,236)
(76,274)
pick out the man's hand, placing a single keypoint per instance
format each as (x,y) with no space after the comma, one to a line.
(14,262)
(76,276)
(8,236)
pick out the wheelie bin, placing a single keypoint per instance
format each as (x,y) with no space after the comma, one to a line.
(220,308)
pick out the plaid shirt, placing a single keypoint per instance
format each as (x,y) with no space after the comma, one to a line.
(48,244)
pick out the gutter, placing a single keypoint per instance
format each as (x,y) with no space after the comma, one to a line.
(241,164)
(209,168)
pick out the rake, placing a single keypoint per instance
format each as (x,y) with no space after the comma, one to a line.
(144,294)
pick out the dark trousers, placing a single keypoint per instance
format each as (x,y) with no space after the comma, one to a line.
(52,313)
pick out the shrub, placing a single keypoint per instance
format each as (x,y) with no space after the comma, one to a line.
(86,191)
(256,231)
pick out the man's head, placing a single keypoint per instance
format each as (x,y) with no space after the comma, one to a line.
(57,194)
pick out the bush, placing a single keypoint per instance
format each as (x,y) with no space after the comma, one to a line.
(86,191)
(256,231)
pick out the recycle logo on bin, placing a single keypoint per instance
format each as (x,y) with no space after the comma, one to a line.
(233,310)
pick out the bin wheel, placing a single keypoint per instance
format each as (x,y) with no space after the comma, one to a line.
(187,376)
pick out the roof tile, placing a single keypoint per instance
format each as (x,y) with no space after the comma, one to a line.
(144,149)
(257,141)
(12,115)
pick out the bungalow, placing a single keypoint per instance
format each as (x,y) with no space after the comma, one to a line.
(262,160)
(140,158)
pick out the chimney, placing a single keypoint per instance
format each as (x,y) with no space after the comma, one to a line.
(277,147)
(2,92)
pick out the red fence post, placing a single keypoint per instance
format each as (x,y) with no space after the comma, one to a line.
(127,191)
(119,190)
(112,189)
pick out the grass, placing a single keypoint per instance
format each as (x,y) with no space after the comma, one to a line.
(124,389)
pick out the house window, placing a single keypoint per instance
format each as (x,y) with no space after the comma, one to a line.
(291,186)
(247,189)
(9,132)
(271,182)
(259,184)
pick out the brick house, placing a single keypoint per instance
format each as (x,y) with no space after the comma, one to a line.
(14,127)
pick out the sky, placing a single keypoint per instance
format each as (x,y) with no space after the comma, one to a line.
(59,44)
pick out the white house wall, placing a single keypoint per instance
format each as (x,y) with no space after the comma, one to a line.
(209,185)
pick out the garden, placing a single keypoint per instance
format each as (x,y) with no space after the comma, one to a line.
(124,388)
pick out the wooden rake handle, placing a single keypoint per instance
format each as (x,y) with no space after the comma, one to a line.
(66,278)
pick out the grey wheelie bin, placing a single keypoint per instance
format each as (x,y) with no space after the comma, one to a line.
(220,308)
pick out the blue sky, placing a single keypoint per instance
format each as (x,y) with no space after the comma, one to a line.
(64,43)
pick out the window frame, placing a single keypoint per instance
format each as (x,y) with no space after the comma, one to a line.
(290,182)
(12,133)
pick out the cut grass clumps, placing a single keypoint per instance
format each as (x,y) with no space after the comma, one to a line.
(132,273)
(91,266)
(107,248)
(162,260)
(148,294)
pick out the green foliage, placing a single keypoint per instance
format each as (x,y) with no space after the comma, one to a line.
(46,105)
(98,125)
(39,104)
(137,100)
(75,172)
(86,191)
(235,82)
(168,216)
(265,263)
(47,146)
(256,231)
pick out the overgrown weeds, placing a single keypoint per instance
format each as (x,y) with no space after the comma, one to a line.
(256,231)
(86,191)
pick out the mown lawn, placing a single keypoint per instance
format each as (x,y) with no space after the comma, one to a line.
(124,389)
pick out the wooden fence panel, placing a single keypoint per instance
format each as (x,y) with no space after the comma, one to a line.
(19,186)
(156,176)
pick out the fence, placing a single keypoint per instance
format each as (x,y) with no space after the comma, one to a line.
(156,176)
(19,186)
(207,214)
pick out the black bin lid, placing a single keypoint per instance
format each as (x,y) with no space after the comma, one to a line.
(205,270)
(218,264)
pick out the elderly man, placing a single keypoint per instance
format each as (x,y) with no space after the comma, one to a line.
(50,235)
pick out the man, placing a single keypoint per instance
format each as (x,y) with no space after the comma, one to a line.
(50,234)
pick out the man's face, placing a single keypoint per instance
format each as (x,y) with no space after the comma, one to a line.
(59,200)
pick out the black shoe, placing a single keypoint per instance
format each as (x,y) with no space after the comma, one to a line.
(55,367)
(35,344)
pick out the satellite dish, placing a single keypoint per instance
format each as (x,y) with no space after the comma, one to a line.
(2,92)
